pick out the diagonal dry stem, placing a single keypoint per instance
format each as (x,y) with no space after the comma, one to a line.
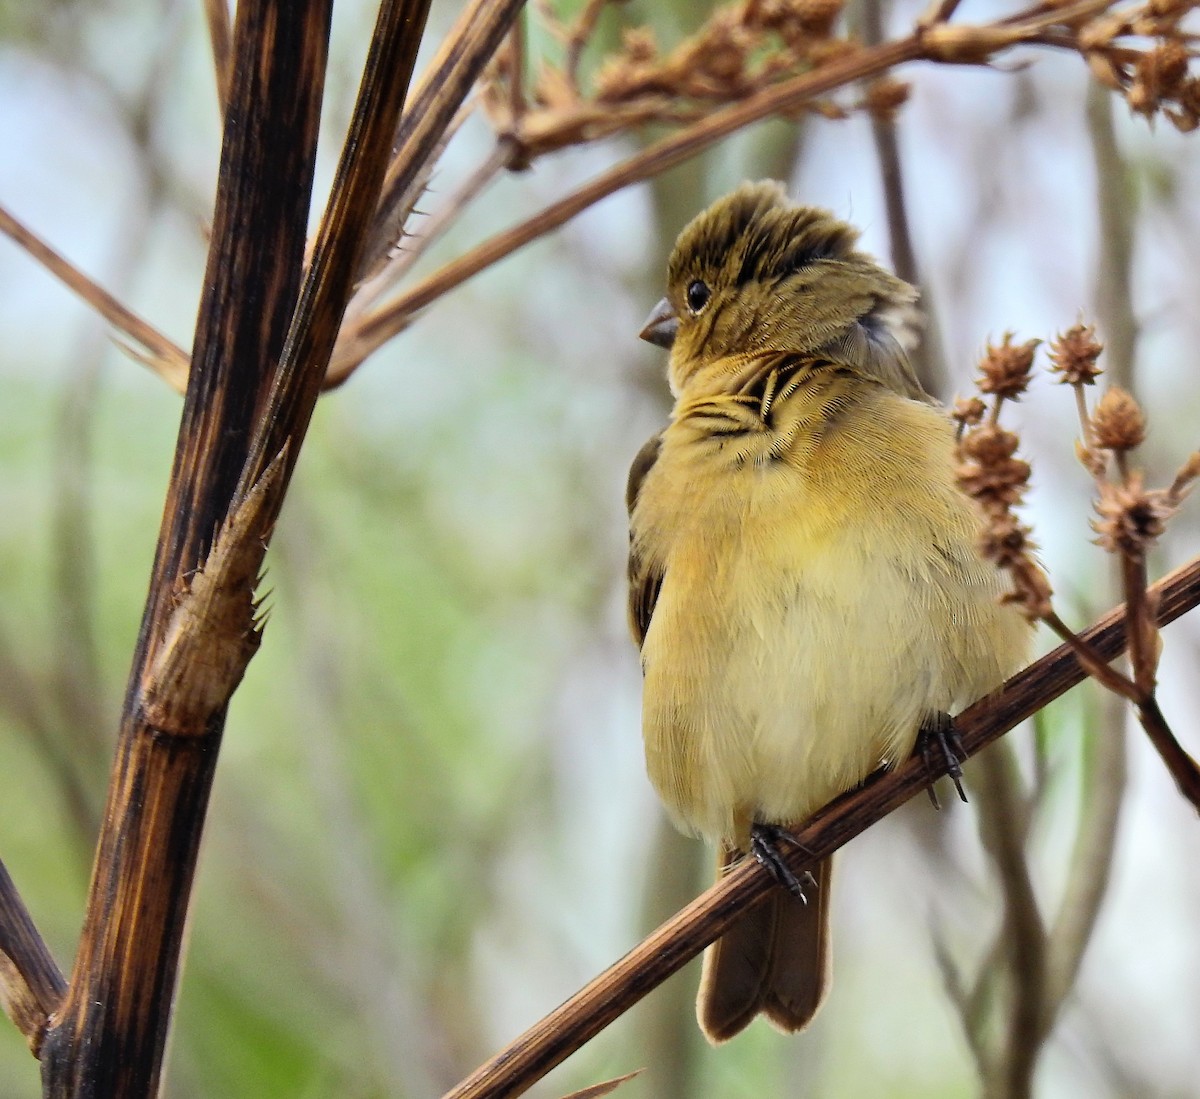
(439,95)
(165,358)
(938,43)
(681,938)
(31,984)
(220,36)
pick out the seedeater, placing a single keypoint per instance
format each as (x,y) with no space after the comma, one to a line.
(804,582)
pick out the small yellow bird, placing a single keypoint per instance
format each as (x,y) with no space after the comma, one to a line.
(804,582)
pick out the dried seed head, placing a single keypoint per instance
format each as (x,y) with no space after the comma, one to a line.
(968,411)
(988,471)
(1118,423)
(639,44)
(885,97)
(1187,117)
(1158,76)
(1131,516)
(1074,354)
(814,17)
(1004,540)
(1004,370)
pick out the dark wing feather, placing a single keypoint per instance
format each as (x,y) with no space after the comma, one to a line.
(644,581)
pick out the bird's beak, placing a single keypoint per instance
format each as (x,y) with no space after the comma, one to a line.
(661,325)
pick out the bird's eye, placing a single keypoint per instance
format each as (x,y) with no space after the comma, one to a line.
(698,294)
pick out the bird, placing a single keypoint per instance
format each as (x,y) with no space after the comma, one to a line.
(805,585)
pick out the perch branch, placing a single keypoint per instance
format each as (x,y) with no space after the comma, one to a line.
(681,938)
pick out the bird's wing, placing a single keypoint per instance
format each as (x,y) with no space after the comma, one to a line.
(873,351)
(645,580)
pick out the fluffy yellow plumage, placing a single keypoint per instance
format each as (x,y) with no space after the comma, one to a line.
(804,582)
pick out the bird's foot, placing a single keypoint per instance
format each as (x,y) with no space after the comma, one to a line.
(764,846)
(938,738)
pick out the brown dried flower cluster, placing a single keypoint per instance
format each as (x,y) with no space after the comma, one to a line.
(1117,423)
(1074,354)
(743,47)
(885,97)
(967,412)
(990,472)
(1155,79)
(1006,370)
(1132,517)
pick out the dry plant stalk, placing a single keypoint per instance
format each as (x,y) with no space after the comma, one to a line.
(263,343)
(1131,517)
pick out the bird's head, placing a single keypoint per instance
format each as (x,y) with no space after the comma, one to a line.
(757,273)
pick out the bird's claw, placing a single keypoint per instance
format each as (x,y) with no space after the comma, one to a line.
(938,737)
(764,846)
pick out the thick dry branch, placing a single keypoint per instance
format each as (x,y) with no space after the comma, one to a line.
(680,939)
(340,240)
(31,984)
(108,1038)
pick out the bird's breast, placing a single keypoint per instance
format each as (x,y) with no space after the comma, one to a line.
(809,619)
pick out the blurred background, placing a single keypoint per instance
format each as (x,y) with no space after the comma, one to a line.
(431,822)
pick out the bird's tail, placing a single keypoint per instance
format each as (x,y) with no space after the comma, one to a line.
(774,960)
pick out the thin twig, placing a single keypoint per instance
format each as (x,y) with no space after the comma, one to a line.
(220,35)
(516,72)
(580,34)
(927,356)
(1143,638)
(1182,766)
(1096,667)
(1116,209)
(1090,866)
(1004,819)
(164,357)
(667,949)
